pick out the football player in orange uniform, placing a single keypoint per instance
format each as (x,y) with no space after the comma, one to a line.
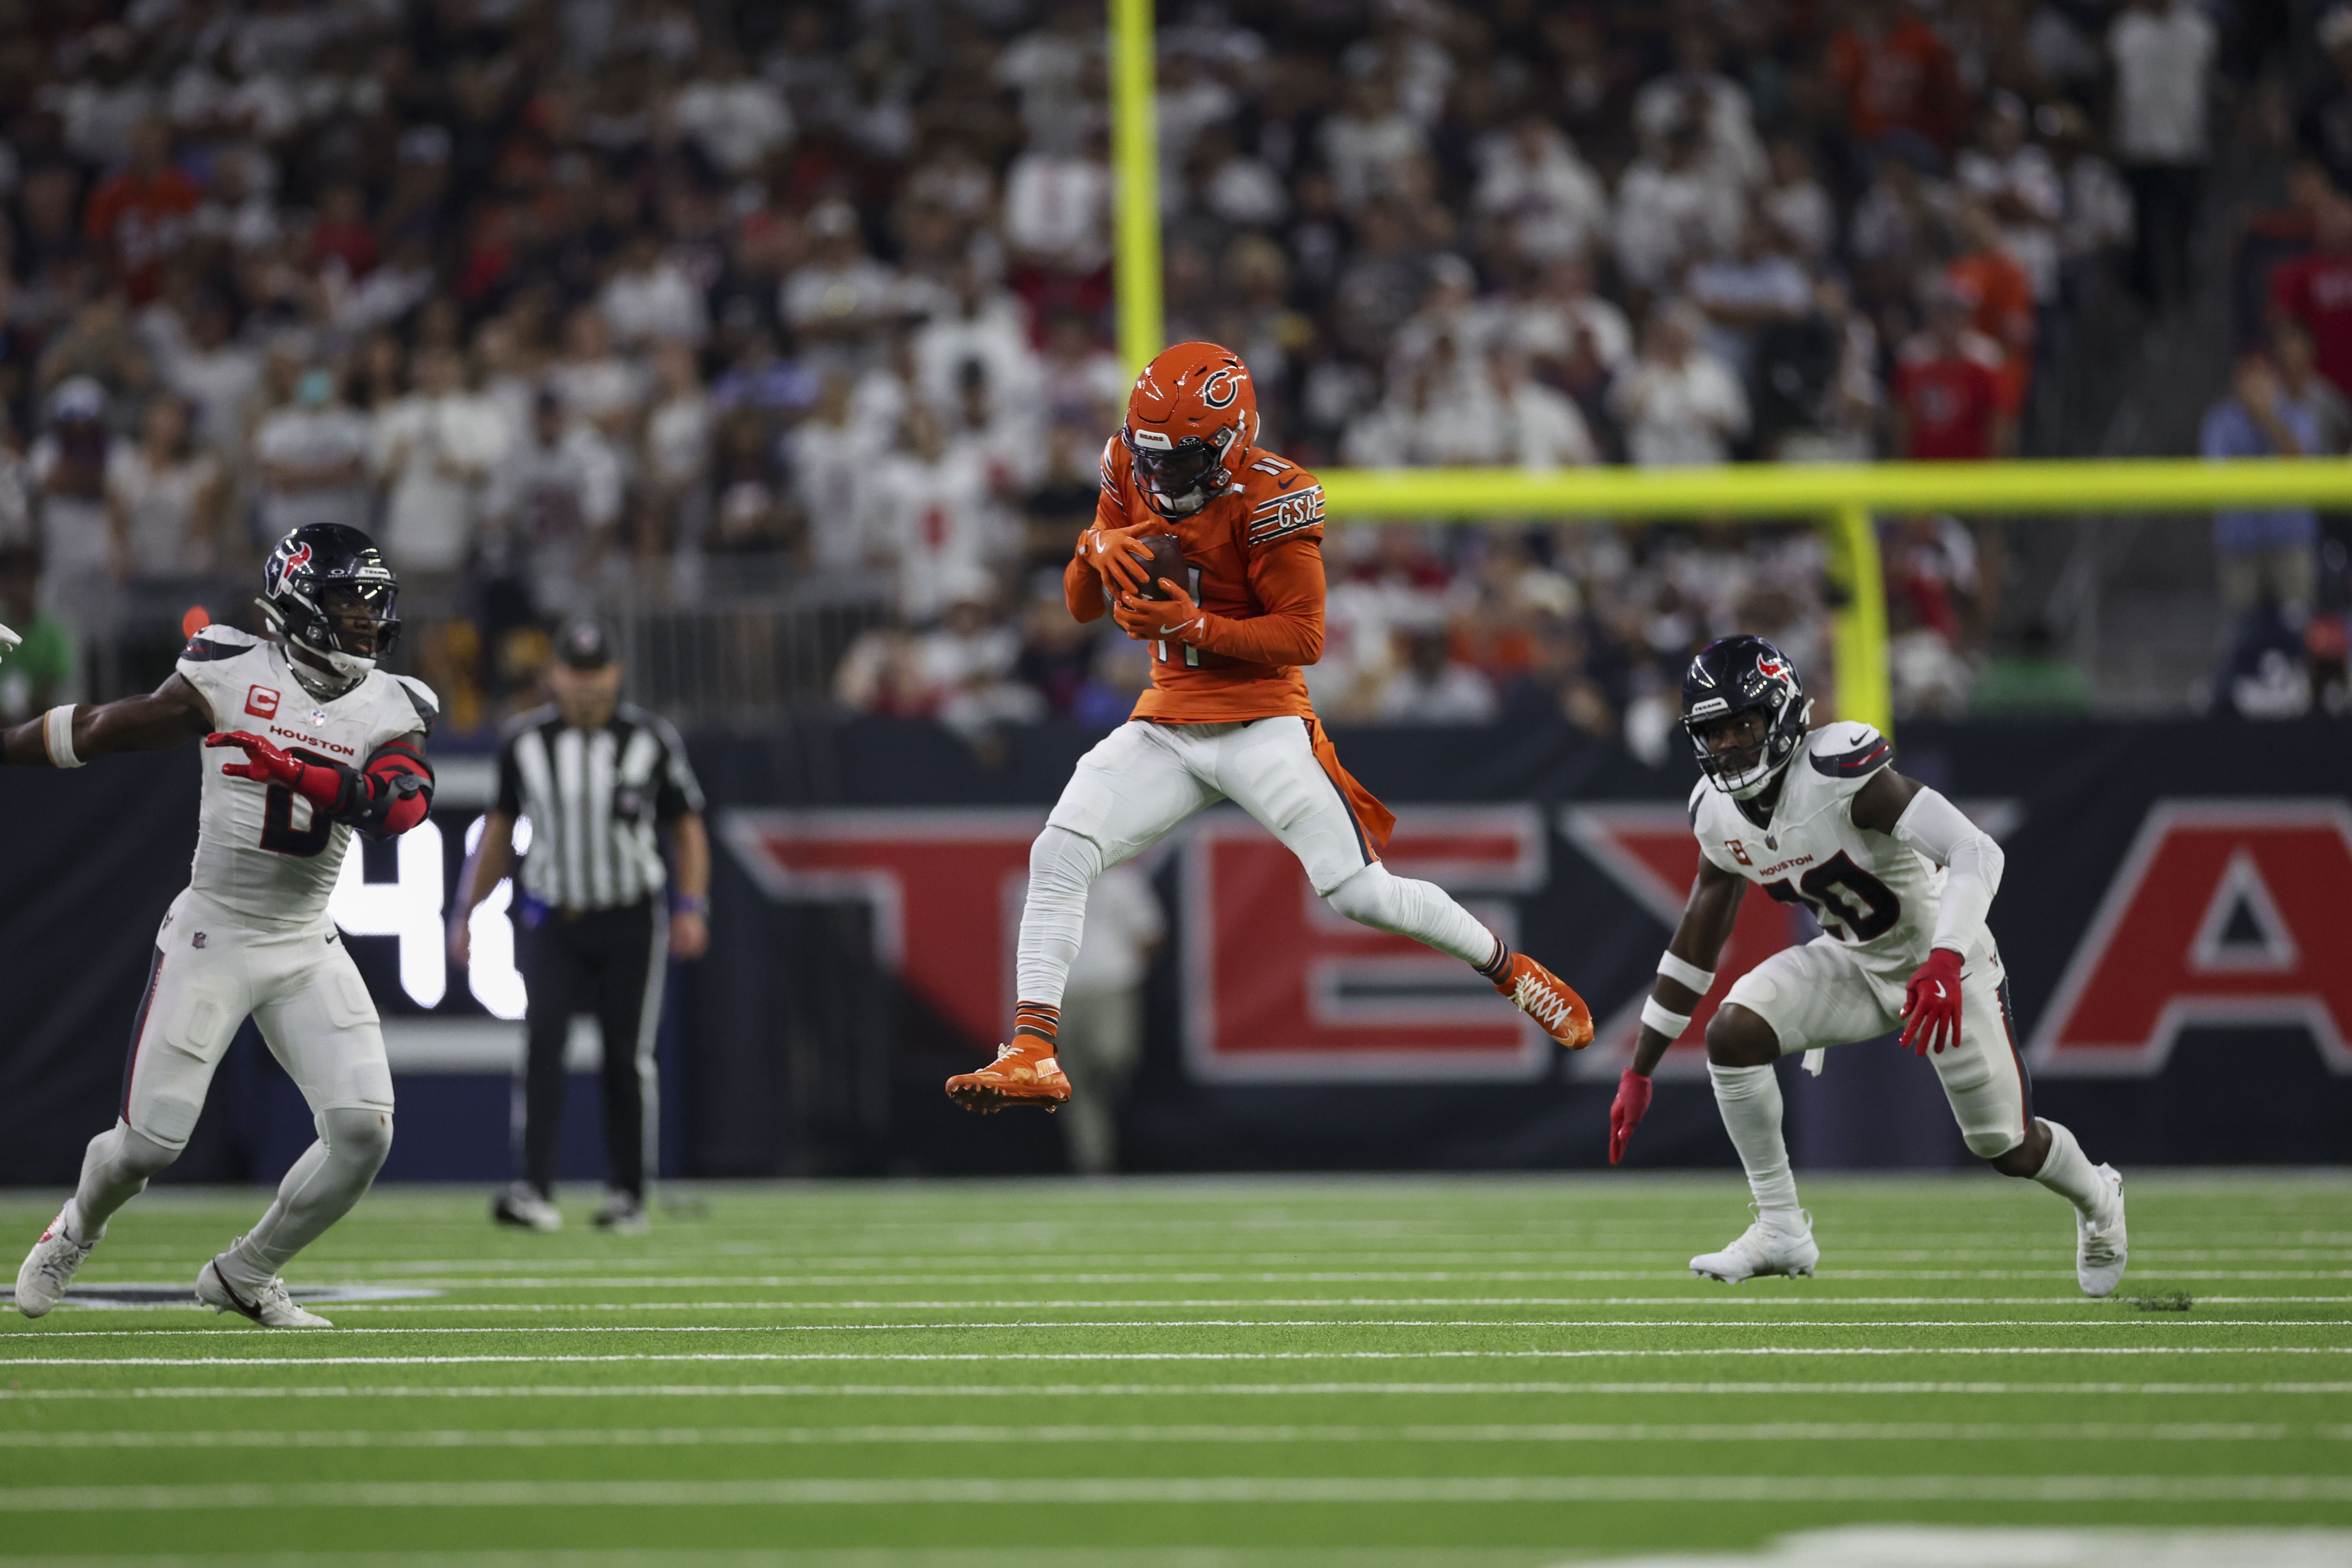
(1226,717)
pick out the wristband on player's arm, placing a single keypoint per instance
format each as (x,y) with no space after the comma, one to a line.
(57,734)
(1685,973)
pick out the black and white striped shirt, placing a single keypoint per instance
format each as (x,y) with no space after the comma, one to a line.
(594,798)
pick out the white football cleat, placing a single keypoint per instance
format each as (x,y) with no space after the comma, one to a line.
(49,1268)
(1761,1249)
(521,1205)
(270,1306)
(2101,1250)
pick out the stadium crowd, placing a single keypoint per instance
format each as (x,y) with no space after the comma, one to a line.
(598,304)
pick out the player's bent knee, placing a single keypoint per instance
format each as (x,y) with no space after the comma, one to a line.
(1061,858)
(131,1153)
(358,1136)
(1736,1037)
(1367,897)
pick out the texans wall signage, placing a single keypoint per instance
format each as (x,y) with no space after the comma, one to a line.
(2222,912)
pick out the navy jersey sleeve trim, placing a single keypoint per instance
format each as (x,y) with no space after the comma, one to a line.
(1871,755)
(204,650)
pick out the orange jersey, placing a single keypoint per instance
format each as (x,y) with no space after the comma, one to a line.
(1256,556)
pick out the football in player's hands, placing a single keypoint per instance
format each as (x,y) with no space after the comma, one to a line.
(1167,561)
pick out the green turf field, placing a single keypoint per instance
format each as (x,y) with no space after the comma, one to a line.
(1491,1373)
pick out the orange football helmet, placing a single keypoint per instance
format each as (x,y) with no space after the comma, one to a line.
(1192,415)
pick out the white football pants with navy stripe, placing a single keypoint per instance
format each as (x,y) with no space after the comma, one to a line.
(1143,780)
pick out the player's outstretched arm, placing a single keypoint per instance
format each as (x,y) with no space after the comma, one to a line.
(385,798)
(69,735)
(1684,972)
(1922,819)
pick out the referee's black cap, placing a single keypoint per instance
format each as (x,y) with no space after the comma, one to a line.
(582,645)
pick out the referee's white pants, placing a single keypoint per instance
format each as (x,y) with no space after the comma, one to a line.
(1143,780)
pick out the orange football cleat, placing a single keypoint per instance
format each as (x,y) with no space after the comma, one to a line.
(1024,1073)
(1538,991)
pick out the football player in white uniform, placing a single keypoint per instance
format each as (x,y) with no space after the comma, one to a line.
(325,742)
(1900,882)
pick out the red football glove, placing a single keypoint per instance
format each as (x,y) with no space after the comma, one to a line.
(1931,1007)
(1149,620)
(265,763)
(1118,554)
(1625,1113)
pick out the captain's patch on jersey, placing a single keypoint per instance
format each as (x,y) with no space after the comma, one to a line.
(261,701)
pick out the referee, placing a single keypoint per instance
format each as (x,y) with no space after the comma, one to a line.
(593,777)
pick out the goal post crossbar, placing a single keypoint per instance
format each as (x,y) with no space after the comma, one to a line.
(1845,500)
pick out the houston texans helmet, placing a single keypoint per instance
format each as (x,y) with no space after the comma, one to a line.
(327,589)
(1728,681)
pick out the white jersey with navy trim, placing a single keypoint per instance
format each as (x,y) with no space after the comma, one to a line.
(1877,896)
(263,852)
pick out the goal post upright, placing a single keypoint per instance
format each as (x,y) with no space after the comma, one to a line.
(1135,152)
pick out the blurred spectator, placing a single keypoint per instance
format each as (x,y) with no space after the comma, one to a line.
(2163,53)
(2316,290)
(1897,78)
(1952,400)
(967,663)
(1998,295)
(1795,203)
(1533,187)
(140,216)
(1434,687)
(1814,381)
(927,516)
(1673,208)
(220,377)
(164,496)
(2019,185)
(1677,402)
(676,505)
(649,299)
(832,459)
(2268,557)
(555,498)
(436,449)
(1534,427)
(1757,286)
(595,384)
(313,455)
(2296,358)
(841,299)
(69,464)
(736,119)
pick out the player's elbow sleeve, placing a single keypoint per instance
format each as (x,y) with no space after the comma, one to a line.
(399,791)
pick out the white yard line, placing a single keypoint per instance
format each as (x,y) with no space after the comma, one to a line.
(1031,1325)
(968,1356)
(657,1279)
(2071,1303)
(1351,1491)
(1782,1390)
(760,1436)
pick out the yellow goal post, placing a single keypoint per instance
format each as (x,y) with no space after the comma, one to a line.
(1844,498)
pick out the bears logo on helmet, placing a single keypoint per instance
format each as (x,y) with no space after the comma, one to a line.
(1192,415)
